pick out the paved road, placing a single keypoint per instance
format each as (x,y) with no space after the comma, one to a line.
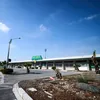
(20,74)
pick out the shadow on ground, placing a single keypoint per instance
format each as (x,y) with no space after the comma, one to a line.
(24,73)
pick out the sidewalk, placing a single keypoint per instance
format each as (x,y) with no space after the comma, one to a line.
(6,92)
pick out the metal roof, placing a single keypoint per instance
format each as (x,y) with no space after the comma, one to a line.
(57,59)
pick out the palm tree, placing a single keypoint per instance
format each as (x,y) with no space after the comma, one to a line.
(95,62)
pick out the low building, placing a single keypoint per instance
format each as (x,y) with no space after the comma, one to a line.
(65,63)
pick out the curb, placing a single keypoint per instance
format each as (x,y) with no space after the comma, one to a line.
(1,78)
(20,94)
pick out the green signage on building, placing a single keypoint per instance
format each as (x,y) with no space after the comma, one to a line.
(92,67)
(37,57)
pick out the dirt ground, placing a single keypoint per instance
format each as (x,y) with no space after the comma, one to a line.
(47,89)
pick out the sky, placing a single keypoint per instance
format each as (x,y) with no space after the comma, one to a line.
(63,27)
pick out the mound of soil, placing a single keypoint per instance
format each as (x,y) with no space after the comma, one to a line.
(57,90)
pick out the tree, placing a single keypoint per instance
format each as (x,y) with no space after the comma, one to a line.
(95,62)
(0,63)
(76,66)
(27,65)
(4,64)
(58,74)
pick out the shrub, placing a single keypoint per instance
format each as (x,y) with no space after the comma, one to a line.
(7,71)
(53,67)
(85,77)
(36,67)
(89,75)
(82,80)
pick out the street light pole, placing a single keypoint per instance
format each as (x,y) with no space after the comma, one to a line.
(9,49)
(45,52)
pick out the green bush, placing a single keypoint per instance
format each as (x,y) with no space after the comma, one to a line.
(7,71)
(53,67)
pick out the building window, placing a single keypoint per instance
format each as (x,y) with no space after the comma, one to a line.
(50,64)
(59,64)
(68,64)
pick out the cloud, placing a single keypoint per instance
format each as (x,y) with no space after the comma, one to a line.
(4,28)
(90,17)
(40,31)
(43,28)
(83,19)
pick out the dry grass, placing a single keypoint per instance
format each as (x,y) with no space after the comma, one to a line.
(61,89)
(84,77)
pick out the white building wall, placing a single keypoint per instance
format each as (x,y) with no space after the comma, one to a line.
(84,67)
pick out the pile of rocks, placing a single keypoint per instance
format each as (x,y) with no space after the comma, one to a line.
(71,89)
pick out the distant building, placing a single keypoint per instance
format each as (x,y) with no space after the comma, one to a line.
(65,63)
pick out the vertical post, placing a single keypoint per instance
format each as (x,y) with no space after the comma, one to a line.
(53,63)
(89,65)
(74,62)
(47,65)
(40,65)
(45,52)
(34,64)
(63,66)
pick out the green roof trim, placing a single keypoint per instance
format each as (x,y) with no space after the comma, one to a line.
(37,57)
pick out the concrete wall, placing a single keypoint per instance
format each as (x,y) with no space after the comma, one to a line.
(84,68)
